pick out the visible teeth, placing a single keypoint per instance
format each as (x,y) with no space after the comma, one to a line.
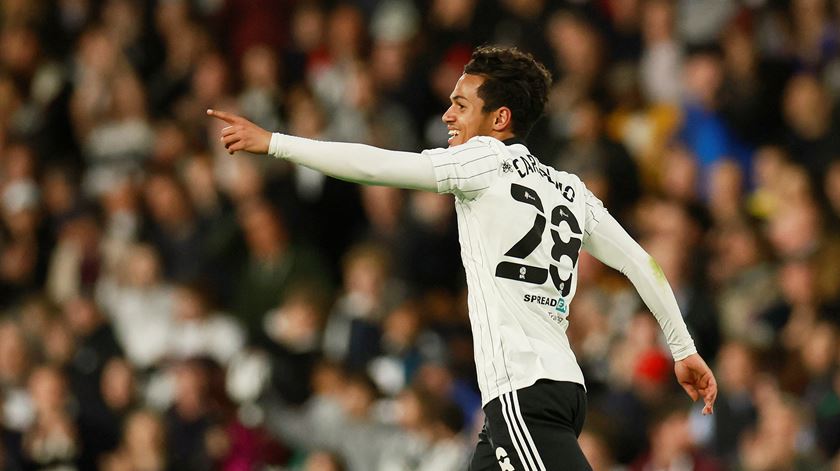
(453,132)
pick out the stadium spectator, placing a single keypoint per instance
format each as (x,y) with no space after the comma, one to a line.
(142,446)
(138,301)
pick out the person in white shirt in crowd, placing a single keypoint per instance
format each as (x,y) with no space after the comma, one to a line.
(522,225)
(139,303)
(199,330)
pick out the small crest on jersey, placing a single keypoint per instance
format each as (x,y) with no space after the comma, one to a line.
(507,166)
(561,306)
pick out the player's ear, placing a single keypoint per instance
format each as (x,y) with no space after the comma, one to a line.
(502,119)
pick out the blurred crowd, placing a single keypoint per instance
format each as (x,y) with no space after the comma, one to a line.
(165,306)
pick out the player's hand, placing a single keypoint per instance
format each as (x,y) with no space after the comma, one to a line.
(698,380)
(241,134)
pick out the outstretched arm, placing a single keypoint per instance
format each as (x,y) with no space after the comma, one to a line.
(611,244)
(353,162)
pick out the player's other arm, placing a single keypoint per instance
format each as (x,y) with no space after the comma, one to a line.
(611,244)
(354,162)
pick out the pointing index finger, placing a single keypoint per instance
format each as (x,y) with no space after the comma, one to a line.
(226,117)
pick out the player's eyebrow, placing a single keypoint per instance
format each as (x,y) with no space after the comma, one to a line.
(458,97)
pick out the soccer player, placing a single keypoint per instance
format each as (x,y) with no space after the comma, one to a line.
(522,225)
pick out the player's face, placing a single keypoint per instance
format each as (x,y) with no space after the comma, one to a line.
(464,118)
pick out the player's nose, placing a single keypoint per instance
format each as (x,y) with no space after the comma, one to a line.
(448,116)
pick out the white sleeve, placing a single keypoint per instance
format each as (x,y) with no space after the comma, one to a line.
(357,162)
(595,212)
(468,169)
(611,244)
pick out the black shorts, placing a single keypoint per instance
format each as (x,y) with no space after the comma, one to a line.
(533,429)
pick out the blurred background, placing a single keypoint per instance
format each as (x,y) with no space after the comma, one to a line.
(164,306)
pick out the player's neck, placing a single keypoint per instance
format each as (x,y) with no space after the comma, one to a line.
(503,135)
(514,140)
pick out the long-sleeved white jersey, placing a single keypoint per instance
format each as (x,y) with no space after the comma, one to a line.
(521,225)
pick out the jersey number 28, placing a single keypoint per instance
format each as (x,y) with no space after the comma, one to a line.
(533,238)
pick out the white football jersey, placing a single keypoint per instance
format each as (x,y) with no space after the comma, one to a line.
(521,226)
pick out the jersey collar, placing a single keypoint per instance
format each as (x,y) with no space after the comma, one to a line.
(514,140)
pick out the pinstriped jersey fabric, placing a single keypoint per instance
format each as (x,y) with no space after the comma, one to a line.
(521,226)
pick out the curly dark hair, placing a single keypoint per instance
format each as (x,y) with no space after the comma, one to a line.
(513,79)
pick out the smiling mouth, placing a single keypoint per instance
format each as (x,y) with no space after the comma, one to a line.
(453,133)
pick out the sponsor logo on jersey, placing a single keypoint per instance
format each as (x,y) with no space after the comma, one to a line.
(541,300)
(559,304)
(561,307)
(507,166)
